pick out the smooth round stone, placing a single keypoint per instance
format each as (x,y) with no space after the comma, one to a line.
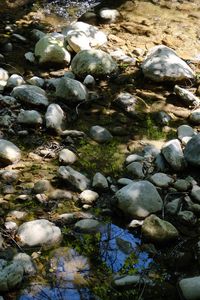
(195,116)
(195,193)
(161,180)
(100,134)
(88,197)
(182,185)
(190,288)
(9,153)
(15,80)
(100,181)
(133,157)
(66,156)
(29,117)
(192,151)
(187,217)
(185,131)
(136,170)
(42,186)
(87,226)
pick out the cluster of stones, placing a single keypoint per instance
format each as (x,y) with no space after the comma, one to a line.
(139,196)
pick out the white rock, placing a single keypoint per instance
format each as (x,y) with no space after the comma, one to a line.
(11,226)
(100,134)
(35,80)
(89,80)
(188,97)
(30,57)
(109,15)
(78,180)
(9,153)
(173,154)
(15,80)
(38,233)
(54,117)
(88,197)
(162,63)
(29,117)
(3,78)
(66,156)
(78,40)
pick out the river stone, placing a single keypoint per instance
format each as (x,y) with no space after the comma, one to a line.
(26,262)
(93,62)
(161,179)
(50,49)
(42,186)
(190,288)
(187,217)
(139,199)
(3,78)
(100,134)
(76,179)
(88,197)
(173,207)
(173,154)
(109,15)
(133,157)
(192,151)
(185,132)
(87,226)
(195,193)
(9,153)
(158,230)
(30,94)
(89,81)
(38,233)
(95,37)
(9,176)
(99,182)
(124,181)
(182,185)
(35,80)
(67,157)
(78,40)
(130,280)
(162,63)
(29,117)
(71,90)
(54,117)
(11,276)
(15,80)
(135,169)
(195,116)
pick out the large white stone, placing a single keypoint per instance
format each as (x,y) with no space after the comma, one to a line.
(162,63)
(190,288)
(9,153)
(75,178)
(39,233)
(54,117)
(139,199)
(173,154)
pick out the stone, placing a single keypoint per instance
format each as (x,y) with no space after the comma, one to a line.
(128,103)
(109,15)
(9,153)
(35,80)
(195,193)
(96,63)
(161,180)
(139,199)
(129,281)
(88,197)
(95,37)
(89,81)
(11,276)
(195,116)
(133,157)
(3,78)
(30,94)
(173,154)
(187,218)
(15,80)
(8,101)
(39,233)
(26,262)
(51,49)
(185,131)
(135,169)
(59,194)
(67,157)
(78,40)
(182,185)
(76,179)
(37,34)
(124,181)
(11,226)
(54,117)
(162,63)
(17,215)
(71,90)
(192,151)
(30,57)
(190,287)
(9,176)
(158,230)
(99,182)
(188,97)
(42,186)
(87,226)
(100,134)
(29,117)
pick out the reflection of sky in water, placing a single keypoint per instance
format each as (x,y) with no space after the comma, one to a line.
(117,244)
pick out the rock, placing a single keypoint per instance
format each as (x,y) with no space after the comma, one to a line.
(11,276)
(29,117)
(15,80)
(3,78)
(136,170)
(190,288)
(59,194)
(99,182)
(17,215)
(30,94)
(88,197)
(162,63)
(9,153)
(187,218)
(100,134)
(195,193)
(173,154)
(109,15)
(42,186)
(30,57)
(39,233)
(54,117)
(66,157)
(26,262)
(78,40)
(189,98)
(135,223)
(89,81)
(76,179)
(129,103)
(9,176)
(129,281)
(71,90)
(96,63)
(158,230)
(95,37)
(195,116)
(161,180)
(124,181)
(185,133)
(11,226)
(192,151)
(139,199)
(182,185)
(87,226)
(1,241)
(133,157)
(8,101)
(35,80)
(37,34)
(50,49)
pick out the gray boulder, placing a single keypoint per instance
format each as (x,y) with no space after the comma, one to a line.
(39,233)
(99,182)
(161,179)
(173,154)
(192,151)
(100,134)
(54,117)
(30,94)
(139,199)
(66,157)
(93,62)
(87,226)
(190,288)
(29,117)
(185,133)
(15,80)
(195,116)
(162,63)
(9,153)
(136,169)
(11,276)
(158,230)
(71,90)
(76,179)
